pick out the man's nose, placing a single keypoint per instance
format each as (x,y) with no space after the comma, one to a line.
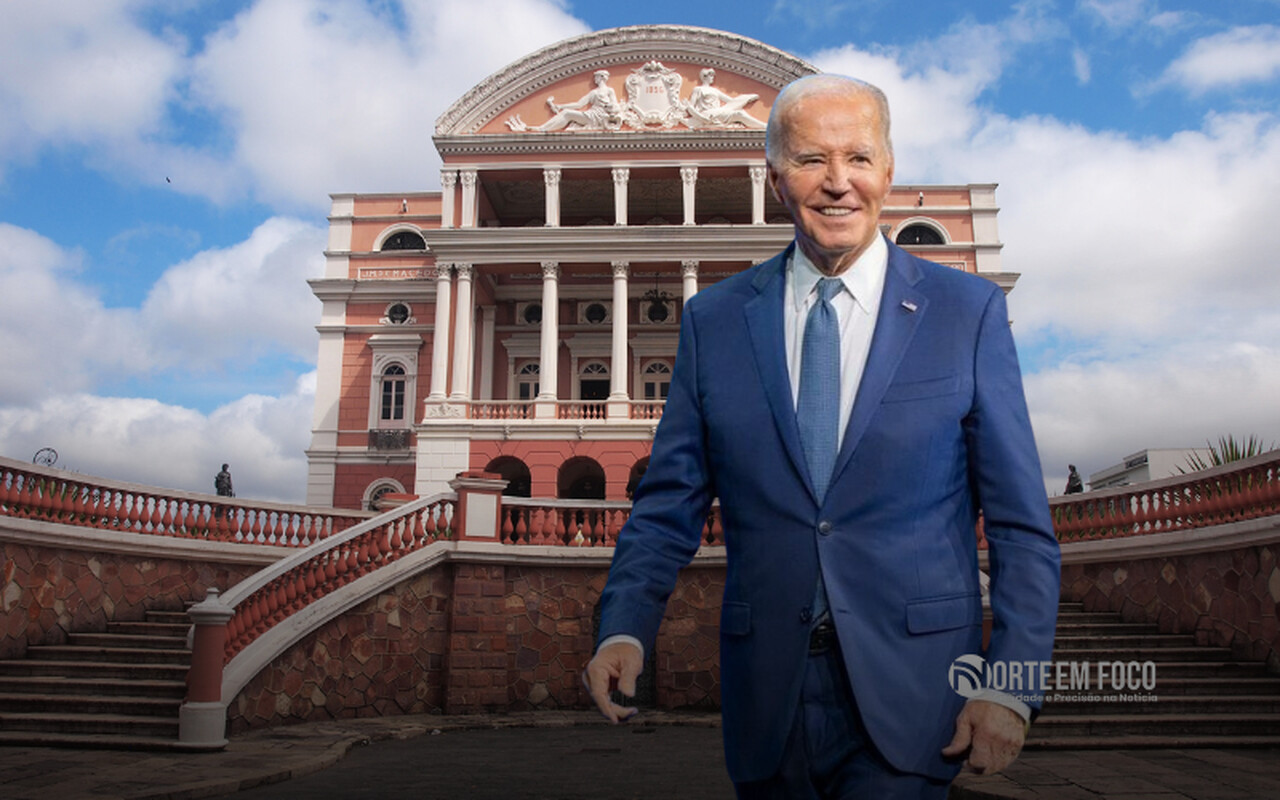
(838,178)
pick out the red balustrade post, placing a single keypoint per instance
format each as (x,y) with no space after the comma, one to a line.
(479,512)
(202,719)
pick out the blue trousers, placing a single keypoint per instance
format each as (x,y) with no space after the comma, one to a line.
(828,754)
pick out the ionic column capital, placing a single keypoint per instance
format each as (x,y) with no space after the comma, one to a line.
(465,271)
(550,270)
(688,175)
(551,176)
(448,178)
(621,174)
(469,177)
(758,175)
(621,269)
(689,267)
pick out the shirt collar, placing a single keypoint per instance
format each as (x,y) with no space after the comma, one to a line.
(864,279)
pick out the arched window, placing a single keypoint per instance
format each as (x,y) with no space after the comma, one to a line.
(393,379)
(515,472)
(404,240)
(918,233)
(593,381)
(527,381)
(657,380)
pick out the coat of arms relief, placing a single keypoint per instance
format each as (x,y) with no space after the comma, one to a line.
(653,101)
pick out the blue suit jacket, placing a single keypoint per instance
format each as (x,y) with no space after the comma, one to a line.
(939,429)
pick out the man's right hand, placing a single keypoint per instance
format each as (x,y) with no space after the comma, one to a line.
(615,666)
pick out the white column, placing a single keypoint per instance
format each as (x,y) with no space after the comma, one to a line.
(448,180)
(689,180)
(440,335)
(551,178)
(620,177)
(550,353)
(618,363)
(462,333)
(689,278)
(487,346)
(757,195)
(469,200)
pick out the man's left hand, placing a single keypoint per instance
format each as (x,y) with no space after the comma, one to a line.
(991,734)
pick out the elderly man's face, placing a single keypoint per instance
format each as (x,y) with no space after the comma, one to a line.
(833,175)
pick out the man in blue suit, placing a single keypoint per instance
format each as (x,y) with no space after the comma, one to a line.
(854,408)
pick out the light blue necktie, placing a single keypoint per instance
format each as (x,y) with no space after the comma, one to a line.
(818,407)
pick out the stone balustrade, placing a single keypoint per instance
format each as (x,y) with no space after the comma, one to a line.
(57,496)
(1235,492)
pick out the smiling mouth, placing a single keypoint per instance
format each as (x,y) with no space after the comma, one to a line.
(835,211)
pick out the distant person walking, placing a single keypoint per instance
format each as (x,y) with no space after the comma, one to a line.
(222,483)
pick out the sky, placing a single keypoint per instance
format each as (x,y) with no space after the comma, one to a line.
(165,167)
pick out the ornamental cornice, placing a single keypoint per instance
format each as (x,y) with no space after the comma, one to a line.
(594,245)
(602,49)
(544,144)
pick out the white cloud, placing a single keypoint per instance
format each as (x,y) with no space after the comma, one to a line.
(1229,59)
(1117,13)
(329,96)
(1145,310)
(241,302)
(222,308)
(81,71)
(146,441)
(1093,415)
(1080,65)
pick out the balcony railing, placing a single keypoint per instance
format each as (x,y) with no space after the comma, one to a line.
(57,496)
(1235,492)
(576,410)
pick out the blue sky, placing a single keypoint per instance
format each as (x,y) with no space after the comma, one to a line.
(165,170)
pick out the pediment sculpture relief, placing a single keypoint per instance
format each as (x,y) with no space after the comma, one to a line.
(653,101)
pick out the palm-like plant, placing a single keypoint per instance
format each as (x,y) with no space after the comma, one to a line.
(1224,452)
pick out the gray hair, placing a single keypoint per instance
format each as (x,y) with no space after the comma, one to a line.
(775,134)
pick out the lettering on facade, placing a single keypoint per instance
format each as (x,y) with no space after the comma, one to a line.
(393,273)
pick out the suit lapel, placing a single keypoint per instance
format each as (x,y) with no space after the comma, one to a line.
(764,316)
(902,307)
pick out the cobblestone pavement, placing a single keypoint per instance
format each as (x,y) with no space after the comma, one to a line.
(565,756)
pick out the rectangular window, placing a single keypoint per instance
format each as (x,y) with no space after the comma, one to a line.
(393,399)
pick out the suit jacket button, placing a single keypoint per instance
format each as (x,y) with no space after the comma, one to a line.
(824,527)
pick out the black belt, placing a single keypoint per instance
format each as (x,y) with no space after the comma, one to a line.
(822,638)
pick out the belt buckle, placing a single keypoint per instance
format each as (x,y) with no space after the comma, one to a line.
(822,638)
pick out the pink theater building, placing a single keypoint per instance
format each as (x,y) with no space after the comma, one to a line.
(523,320)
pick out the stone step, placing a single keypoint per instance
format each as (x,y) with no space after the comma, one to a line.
(1114,704)
(1088,618)
(97,741)
(169,617)
(58,684)
(1104,628)
(90,704)
(114,724)
(112,640)
(1156,654)
(178,629)
(117,655)
(1166,742)
(1123,644)
(1167,669)
(93,670)
(1055,726)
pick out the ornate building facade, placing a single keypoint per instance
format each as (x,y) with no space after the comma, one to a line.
(523,319)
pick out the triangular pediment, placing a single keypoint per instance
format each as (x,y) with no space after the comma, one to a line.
(646,78)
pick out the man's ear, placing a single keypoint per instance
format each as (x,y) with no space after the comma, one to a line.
(773,176)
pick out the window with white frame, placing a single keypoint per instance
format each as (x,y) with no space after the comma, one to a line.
(393,385)
(527,381)
(656,380)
